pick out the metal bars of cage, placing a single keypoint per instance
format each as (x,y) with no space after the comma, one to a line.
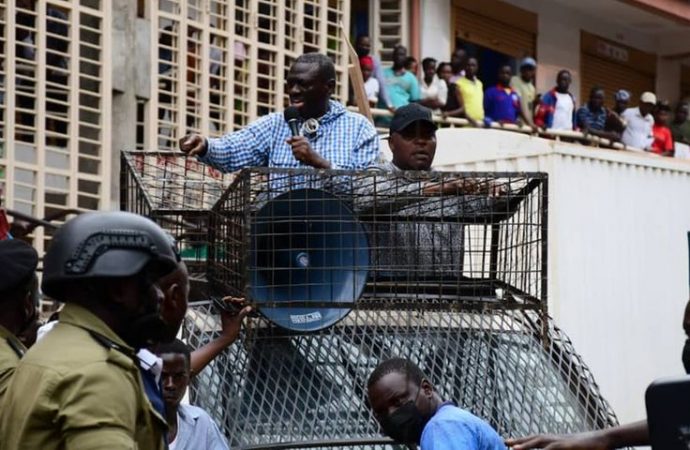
(333,237)
(54,82)
(176,192)
(274,386)
(218,65)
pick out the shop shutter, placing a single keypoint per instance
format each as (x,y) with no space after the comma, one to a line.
(634,70)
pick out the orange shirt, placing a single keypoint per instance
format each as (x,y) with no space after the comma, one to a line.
(663,140)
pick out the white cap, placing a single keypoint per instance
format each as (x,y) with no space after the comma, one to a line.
(648,97)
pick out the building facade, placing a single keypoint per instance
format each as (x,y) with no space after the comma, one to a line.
(635,45)
(81,80)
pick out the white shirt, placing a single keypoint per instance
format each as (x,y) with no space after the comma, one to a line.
(563,114)
(196,431)
(436,89)
(149,361)
(372,88)
(638,132)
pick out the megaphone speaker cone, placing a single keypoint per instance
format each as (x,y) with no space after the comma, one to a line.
(307,246)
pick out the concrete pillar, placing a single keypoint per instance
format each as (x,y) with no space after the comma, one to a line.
(667,79)
(558,47)
(124,101)
(436,30)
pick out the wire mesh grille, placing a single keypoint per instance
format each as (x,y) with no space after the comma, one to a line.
(178,194)
(274,386)
(447,269)
(280,237)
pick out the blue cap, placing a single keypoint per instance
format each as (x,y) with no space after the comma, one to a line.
(528,62)
(622,95)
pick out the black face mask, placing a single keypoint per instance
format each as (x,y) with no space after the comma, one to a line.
(148,327)
(406,424)
(686,356)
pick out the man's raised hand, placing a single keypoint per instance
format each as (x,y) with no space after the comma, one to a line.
(193,145)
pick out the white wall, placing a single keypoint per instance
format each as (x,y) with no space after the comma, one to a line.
(436,30)
(618,252)
(667,79)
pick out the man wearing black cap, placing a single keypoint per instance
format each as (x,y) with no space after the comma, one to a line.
(18,309)
(410,182)
(412,138)
(80,387)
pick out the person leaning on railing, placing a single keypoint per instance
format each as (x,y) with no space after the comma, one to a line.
(593,116)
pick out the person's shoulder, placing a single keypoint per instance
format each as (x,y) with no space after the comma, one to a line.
(272,118)
(194,414)
(356,118)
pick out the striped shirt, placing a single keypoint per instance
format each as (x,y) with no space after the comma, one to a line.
(347,140)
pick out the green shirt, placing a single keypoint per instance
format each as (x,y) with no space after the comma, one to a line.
(681,133)
(79,388)
(527,93)
(11,350)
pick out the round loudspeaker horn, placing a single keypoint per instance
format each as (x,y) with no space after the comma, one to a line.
(307,247)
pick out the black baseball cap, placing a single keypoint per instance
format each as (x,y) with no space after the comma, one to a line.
(18,261)
(408,114)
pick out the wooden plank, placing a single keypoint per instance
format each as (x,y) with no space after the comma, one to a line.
(356,78)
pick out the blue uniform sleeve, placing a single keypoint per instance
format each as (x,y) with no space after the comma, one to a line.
(248,147)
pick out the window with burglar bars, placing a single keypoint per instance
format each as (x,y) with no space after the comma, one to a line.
(219,64)
(54,107)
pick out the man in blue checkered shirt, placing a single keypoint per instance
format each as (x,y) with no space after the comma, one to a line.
(341,140)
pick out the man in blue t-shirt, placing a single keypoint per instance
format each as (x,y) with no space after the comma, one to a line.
(410,411)
(502,103)
(402,85)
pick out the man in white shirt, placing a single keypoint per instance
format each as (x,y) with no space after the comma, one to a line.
(638,132)
(565,105)
(556,108)
(189,427)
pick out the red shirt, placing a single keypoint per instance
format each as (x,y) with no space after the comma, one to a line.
(663,140)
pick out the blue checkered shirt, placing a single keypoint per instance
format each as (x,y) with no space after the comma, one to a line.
(347,140)
(591,120)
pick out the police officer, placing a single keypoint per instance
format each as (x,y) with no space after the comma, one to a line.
(79,387)
(18,304)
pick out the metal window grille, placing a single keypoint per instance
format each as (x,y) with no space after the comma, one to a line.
(220,64)
(55,121)
(456,282)
(389,26)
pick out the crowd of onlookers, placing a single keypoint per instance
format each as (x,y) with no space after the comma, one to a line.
(454,89)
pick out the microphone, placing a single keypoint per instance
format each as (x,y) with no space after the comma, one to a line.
(291,116)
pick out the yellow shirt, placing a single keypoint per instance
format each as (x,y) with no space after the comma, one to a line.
(11,350)
(79,388)
(473,97)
